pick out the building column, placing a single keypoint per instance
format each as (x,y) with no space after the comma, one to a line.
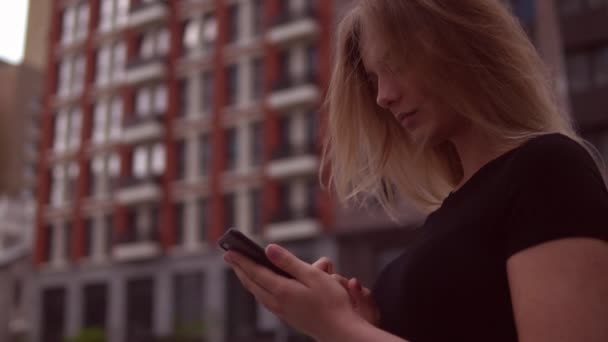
(116,312)
(215,308)
(163,308)
(73,309)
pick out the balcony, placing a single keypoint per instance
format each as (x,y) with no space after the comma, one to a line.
(289,224)
(140,70)
(137,245)
(134,190)
(147,12)
(289,161)
(293,91)
(141,128)
(288,26)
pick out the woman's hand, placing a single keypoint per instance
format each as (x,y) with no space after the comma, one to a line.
(360,296)
(313,302)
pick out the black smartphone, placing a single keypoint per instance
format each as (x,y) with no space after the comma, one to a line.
(239,242)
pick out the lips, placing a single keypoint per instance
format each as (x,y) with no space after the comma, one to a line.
(402,116)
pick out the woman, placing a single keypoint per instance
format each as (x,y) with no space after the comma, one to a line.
(446,103)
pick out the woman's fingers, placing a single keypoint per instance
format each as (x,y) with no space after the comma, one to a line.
(325,265)
(261,295)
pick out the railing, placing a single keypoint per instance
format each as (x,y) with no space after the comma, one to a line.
(139,61)
(143,4)
(285,214)
(134,120)
(289,82)
(286,16)
(287,150)
(133,181)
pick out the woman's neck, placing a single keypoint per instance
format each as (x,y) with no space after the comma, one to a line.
(475,149)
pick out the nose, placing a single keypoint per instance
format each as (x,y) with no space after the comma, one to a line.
(388,93)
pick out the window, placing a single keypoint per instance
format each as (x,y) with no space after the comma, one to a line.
(82,23)
(154,43)
(158,159)
(229,210)
(67,240)
(569,7)
(578,71)
(115,118)
(106,9)
(95,305)
(140,309)
(119,60)
(71,75)
(600,66)
(183,97)
(257,144)
(113,14)
(88,237)
(204,221)
(105,170)
(107,120)
(75,129)
(71,183)
(233,23)
(140,162)
(103,65)
(258,15)
(257,85)
(181,159)
(61,131)
(151,100)
(231,84)
(312,60)
(109,236)
(231,149)
(188,313)
(255,204)
(208,94)
(100,118)
(97,170)
(178,211)
(68,23)
(192,34)
(209,33)
(148,160)
(587,68)
(114,166)
(53,314)
(57,185)
(204,155)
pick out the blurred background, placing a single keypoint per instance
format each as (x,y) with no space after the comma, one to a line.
(134,132)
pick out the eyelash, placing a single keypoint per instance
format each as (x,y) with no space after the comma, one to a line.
(372,80)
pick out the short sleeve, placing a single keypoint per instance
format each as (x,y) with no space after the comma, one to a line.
(557,192)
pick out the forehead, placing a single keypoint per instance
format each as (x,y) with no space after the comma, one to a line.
(372,48)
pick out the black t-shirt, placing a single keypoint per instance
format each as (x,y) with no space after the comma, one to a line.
(451,283)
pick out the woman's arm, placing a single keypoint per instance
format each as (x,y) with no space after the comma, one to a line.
(559,291)
(360,332)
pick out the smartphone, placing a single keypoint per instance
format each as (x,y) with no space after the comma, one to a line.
(239,242)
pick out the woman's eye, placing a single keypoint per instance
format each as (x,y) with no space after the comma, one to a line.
(373,80)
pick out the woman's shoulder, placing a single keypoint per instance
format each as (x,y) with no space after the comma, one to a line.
(553,155)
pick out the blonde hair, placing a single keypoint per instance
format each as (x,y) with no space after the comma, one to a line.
(476,60)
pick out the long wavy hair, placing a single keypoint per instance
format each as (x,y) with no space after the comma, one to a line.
(475,60)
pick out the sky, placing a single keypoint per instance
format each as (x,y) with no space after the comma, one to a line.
(13,15)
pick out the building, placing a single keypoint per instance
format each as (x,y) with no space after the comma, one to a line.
(585,48)
(20,106)
(165,122)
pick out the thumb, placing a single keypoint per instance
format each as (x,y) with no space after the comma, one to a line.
(288,262)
